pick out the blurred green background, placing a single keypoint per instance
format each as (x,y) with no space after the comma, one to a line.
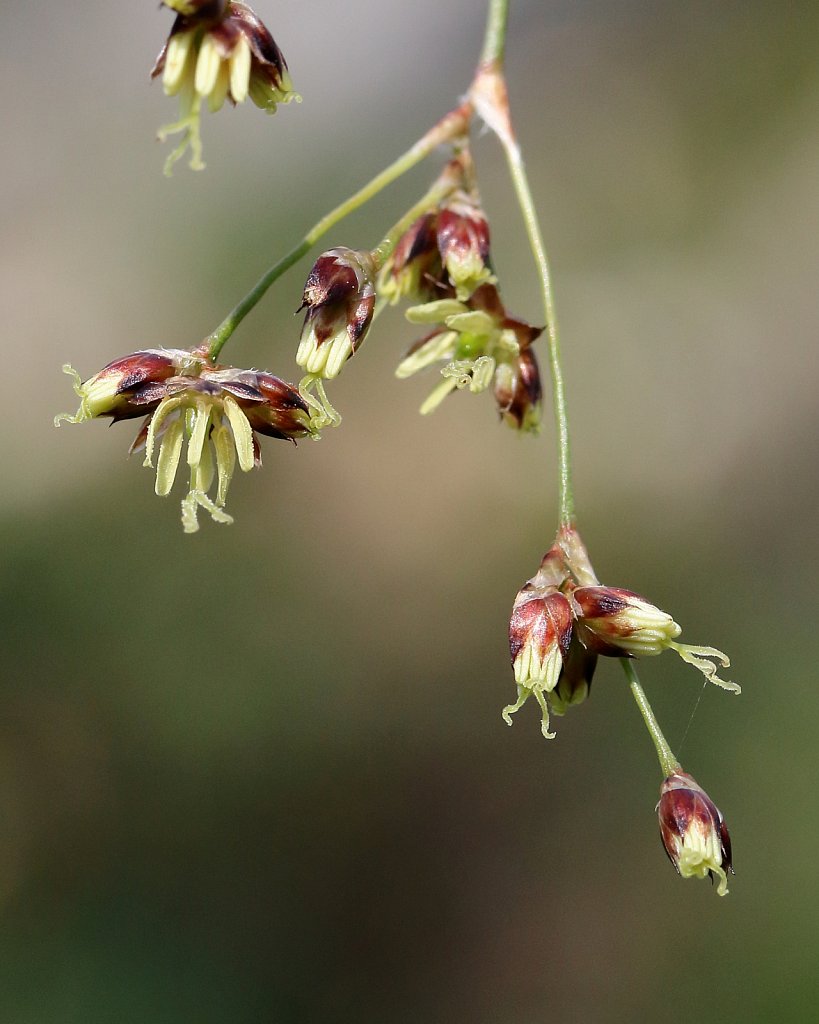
(260,774)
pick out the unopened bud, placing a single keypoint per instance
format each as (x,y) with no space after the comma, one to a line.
(463,242)
(340,298)
(414,270)
(693,831)
(126,387)
(620,624)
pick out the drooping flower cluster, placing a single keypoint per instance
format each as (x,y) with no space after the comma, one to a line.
(218,51)
(562,619)
(219,410)
(443,262)
(693,831)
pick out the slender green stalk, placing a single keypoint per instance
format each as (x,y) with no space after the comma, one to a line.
(494,39)
(527,206)
(668,762)
(453,124)
(489,96)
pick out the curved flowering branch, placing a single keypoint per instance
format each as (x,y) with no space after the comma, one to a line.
(437,258)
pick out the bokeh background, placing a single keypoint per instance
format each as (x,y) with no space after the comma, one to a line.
(260,774)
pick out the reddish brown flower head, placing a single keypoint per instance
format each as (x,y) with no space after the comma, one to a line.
(229,53)
(444,253)
(540,632)
(340,298)
(127,387)
(693,831)
(621,624)
(219,411)
(415,268)
(218,51)
(463,243)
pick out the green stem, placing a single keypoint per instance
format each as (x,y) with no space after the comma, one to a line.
(453,124)
(489,96)
(494,39)
(668,762)
(520,181)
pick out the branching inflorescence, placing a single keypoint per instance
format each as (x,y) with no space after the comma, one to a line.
(436,258)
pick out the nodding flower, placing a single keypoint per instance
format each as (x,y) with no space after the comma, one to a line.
(445,252)
(339,296)
(218,51)
(620,624)
(693,831)
(218,410)
(540,634)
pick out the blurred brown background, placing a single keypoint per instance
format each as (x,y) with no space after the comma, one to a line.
(260,774)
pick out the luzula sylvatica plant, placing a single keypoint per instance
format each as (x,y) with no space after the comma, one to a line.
(435,258)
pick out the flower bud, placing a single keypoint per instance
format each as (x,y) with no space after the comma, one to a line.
(693,831)
(415,269)
(340,298)
(463,242)
(621,624)
(540,632)
(126,387)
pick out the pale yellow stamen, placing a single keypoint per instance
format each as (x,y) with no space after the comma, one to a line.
(433,351)
(169,453)
(163,410)
(438,395)
(339,352)
(208,64)
(242,433)
(435,312)
(225,459)
(201,421)
(219,92)
(240,70)
(176,60)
